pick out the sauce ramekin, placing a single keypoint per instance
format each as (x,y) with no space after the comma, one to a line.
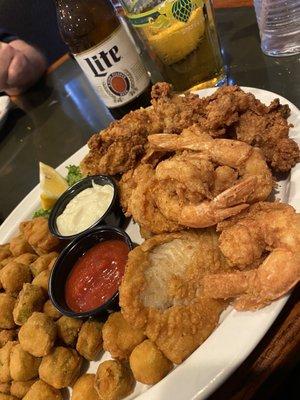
(65,263)
(113,216)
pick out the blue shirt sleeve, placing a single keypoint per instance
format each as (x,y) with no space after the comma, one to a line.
(6,36)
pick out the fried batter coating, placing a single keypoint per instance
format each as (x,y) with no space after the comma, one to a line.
(38,334)
(7,335)
(7,304)
(122,145)
(42,280)
(37,233)
(137,200)
(19,389)
(268,129)
(68,329)
(114,380)
(84,388)
(30,299)
(50,310)
(5,354)
(61,367)
(176,112)
(43,262)
(23,366)
(265,228)
(7,397)
(42,391)
(118,148)
(90,341)
(161,290)
(13,276)
(26,258)
(148,364)
(119,337)
(232,111)
(5,388)
(5,262)
(19,245)
(4,251)
(184,194)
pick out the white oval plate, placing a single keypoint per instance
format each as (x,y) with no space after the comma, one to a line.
(4,107)
(238,332)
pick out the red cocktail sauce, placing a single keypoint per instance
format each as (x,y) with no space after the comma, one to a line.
(96,275)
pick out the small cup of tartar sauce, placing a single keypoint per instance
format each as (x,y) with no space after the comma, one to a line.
(90,202)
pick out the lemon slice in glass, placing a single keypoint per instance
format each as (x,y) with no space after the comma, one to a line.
(175,42)
(52,185)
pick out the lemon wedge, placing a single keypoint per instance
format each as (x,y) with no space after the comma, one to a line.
(174,43)
(52,185)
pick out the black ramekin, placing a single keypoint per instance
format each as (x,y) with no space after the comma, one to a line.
(114,215)
(66,261)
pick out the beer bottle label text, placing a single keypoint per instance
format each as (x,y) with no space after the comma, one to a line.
(115,69)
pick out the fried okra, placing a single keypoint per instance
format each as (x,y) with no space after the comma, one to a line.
(68,329)
(7,397)
(26,258)
(7,304)
(38,334)
(5,353)
(90,341)
(19,245)
(114,380)
(13,276)
(5,388)
(61,367)
(19,389)
(50,310)
(83,388)
(5,262)
(7,335)
(30,299)
(42,263)
(42,280)
(42,391)
(119,338)
(148,363)
(23,366)
(37,233)
(4,251)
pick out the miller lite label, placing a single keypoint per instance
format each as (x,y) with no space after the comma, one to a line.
(115,69)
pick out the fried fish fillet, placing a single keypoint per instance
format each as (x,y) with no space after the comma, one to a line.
(161,291)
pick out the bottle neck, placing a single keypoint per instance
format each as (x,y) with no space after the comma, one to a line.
(85,23)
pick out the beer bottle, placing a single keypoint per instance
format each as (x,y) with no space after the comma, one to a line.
(105,53)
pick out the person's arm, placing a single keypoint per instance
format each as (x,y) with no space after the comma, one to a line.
(21,64)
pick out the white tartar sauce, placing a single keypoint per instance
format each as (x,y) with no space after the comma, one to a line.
(85,209)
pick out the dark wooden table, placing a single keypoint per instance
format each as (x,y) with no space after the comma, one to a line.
(56,118)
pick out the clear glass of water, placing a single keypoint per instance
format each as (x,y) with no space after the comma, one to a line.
(279,26)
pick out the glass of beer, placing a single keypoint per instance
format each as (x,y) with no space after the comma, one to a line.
(181,37)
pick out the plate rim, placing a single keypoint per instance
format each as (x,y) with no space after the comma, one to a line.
(200,387)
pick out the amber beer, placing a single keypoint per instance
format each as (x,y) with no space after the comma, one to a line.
(181,36)
(105,52)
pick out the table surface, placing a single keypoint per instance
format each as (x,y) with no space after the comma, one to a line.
(57,117)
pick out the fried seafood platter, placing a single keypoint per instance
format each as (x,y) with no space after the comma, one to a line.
(217,249)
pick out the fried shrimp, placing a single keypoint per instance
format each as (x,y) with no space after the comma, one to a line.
(271,227)
(160,291)
(137,200)
(254,181)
